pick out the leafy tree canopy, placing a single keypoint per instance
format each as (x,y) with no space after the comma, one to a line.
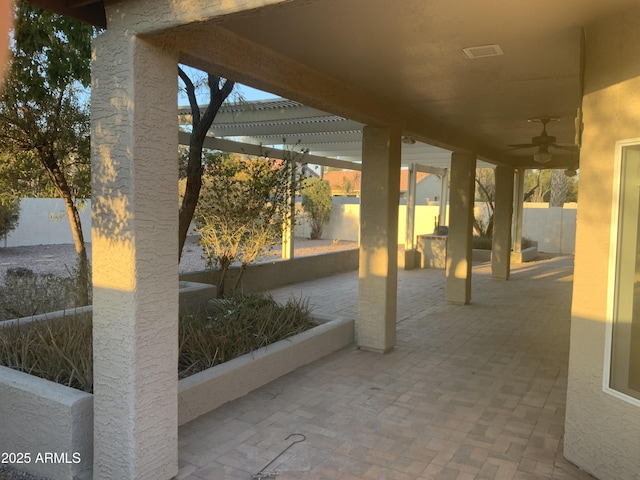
(317,203)
(44,117)
(243,207)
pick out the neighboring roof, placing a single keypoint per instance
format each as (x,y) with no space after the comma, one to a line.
(339,179)
(346,181)
(404,179)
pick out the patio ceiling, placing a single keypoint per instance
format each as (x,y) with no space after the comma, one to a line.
(375,61)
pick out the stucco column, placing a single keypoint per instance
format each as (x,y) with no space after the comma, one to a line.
(288,227)
(411,255)
(380,194)
(444,193)
(459,242)
(503,212)
(518,211)
(135,258)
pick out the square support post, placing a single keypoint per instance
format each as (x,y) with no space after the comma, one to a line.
(502,215)
(444,193)
(380,195)
(459,242)
(518,211)
(411,255)
(135,258)
(288,228)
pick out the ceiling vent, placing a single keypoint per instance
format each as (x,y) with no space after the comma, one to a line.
(483,51)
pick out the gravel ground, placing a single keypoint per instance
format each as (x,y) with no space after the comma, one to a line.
(59,259)
(9,473)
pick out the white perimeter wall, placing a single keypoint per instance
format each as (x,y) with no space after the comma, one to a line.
(44,221)
(553,228)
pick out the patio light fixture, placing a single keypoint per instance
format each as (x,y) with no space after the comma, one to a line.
(542,155)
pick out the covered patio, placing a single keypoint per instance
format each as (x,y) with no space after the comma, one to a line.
(468,392)
(464,76)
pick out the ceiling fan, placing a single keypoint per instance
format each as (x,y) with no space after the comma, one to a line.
(544,142)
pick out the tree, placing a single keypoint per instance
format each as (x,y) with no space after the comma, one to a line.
(243,206)
(9,214)
(9,201)
(42,118)
(219,90)
(486,192)
(317,204)
(551,186)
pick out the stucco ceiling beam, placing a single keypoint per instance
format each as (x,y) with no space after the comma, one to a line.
(212,48)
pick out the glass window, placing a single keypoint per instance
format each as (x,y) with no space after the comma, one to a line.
(624,375)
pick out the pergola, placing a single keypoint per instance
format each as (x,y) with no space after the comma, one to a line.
(263,126)
(462,75)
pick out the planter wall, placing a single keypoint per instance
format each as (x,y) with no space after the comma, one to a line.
(526,255)
(264,276)
(207,390)
(192,296)
(39,416)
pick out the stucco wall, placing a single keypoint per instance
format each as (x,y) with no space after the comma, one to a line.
(554,228)
(602,431)
(44,221)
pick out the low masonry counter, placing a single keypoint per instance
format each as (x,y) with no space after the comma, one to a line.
(433,251)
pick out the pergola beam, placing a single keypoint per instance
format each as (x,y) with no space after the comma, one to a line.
(260,111)
(260,150)
(433,170)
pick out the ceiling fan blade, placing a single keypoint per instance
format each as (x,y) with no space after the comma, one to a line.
(522,145)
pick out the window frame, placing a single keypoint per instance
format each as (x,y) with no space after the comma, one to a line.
(612,283)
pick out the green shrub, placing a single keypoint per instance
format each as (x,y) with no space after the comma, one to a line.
(61,350)
(25,294)
(482,243)
(317,203)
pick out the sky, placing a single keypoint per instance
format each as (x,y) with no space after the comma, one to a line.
(247,93)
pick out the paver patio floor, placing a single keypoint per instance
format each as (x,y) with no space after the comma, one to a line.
(469,392)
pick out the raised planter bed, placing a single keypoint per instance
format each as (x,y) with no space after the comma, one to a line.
(207,390)
(192,296)
(40,416)
(526,255)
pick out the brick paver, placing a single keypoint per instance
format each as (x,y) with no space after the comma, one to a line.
(469,392)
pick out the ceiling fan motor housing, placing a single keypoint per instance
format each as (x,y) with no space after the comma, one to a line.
(543,139)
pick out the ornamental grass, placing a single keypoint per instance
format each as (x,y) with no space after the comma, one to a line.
(60,349)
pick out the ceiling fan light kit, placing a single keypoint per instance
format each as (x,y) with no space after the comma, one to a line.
(542,156)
